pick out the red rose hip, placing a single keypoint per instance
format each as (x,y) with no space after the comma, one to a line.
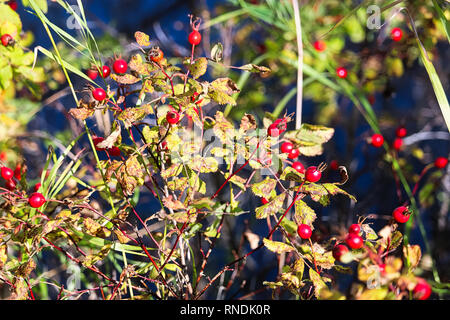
(10,184)
(354,228)
(339,251)
(36,200)
(294,154)
(440,162)
(277,128)
(37,186)
(320,45)
(172,117)
(401,214)
(114,151)
(106,71)
(13,4)
(354,241)
(298,166)
(96,141)
(397,144)
(401,132)
(120,66)
(396,34)
(312,174)
(334,165)
(7,40)
(195,38)
(99,94)
(6,173)
(422,290)
(341,72)
(286,147)
(377,140)
(304,231)
(92,73)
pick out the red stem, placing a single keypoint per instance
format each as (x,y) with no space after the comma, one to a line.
(228,266)
(78,261)
(234,173)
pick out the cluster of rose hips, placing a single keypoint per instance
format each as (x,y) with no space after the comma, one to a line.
(113,151)
(377,141)
(8,175)
(36,199)
(341,72)
(120,66)
(7,39)
(352,240)
(313,173)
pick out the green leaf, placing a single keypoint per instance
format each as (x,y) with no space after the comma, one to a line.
(342,20)
(198,67)
(333,189)
(277,246)
(142,39)
(290,226)
(255,68)
(67,65)
(137,65)
(151,135)
(223,129)
(6,75)
(91,259)
(316,192)
(172,171)
(203,165)
(265,188)
(130,115)
(217,52)
(317,281)
(220,90)
(309,138)
(125,78)
(304,214)
(290,174)
(413,254)
(373,294)
(271,207)
(8,15)
(369,232)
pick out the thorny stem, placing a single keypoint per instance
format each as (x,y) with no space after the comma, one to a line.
(229,265)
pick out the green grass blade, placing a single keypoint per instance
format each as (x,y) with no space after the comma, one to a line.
(224,17)
(352,12)
(443,19)
(52,175)
(66,64)
(68,172)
